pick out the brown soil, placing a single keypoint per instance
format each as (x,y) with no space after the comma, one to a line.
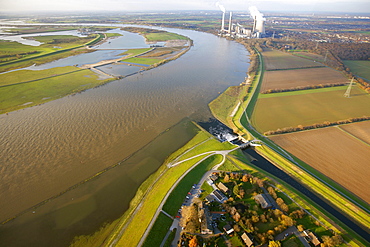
(287,79)
(335,153)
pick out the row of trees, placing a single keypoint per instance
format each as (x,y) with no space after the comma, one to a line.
(303,88)
(315,126)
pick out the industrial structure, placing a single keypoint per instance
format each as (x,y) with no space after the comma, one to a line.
(238,31)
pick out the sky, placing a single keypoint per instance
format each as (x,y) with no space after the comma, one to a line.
(346,6)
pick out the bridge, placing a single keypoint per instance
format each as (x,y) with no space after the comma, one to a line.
(251,143)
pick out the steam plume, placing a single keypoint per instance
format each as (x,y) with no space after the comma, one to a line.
(255,13)
(221,7)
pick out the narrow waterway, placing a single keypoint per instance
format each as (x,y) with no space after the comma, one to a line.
(265,165)
(44,150)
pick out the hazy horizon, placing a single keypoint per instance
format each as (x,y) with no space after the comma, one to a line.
(42,6)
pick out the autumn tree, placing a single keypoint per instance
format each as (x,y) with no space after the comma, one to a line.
(193,242)
(274,244)
(226,178)
(287,221)
(272,192)
(245,178)
(189,219)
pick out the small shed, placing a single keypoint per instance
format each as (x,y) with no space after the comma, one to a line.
(228,229)
(247,240)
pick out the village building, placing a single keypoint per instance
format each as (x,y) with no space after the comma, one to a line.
(263,200)
(311,237)
(228,229)
(223,188)
(205,219)
(247,240)
(219,196)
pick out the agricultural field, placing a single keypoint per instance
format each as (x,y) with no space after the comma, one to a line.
(360,130)
(278,60)
(335,153)
(307,107)
(359,67)
(290,79)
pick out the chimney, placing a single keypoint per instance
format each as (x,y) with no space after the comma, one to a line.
(254,24)
(223,21)
(231,13)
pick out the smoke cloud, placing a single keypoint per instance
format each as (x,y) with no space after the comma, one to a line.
(255,13)
(221,7)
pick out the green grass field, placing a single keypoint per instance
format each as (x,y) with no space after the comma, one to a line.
(21,76)
(135,52)
(14,97)
(309,107)
(164,36)
(359,67)
(141,60)
(10,50)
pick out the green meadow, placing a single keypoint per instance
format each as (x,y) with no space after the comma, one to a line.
(359,67)
(44,86)
(164,36)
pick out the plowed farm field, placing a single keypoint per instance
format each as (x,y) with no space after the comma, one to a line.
(288,79)
(278,60)
(335,153)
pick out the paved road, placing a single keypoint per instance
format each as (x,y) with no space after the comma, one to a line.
(196,189)
(292,230)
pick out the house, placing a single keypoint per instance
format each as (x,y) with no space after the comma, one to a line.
(263,200)
(247,240)
(214,177)
(205,219)
(223,188)
(311,237)
(210,198)
(228,229)
(219,196)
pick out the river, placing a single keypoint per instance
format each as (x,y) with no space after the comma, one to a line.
(44,150)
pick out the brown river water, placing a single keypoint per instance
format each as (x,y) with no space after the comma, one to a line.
(44,150)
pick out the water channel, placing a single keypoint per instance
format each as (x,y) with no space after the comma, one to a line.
(44,150)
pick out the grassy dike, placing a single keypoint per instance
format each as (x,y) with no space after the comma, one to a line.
(239,121)
(135,221)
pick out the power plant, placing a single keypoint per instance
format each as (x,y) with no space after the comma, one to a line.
(238,31)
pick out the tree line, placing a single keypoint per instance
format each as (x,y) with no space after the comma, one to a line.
(315,126)
(280,90)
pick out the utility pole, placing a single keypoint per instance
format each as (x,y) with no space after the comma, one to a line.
(347,94)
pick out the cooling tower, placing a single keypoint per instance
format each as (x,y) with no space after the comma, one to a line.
(260,26)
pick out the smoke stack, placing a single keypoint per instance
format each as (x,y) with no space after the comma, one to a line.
(223,21)
(231,14)
(254,24)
